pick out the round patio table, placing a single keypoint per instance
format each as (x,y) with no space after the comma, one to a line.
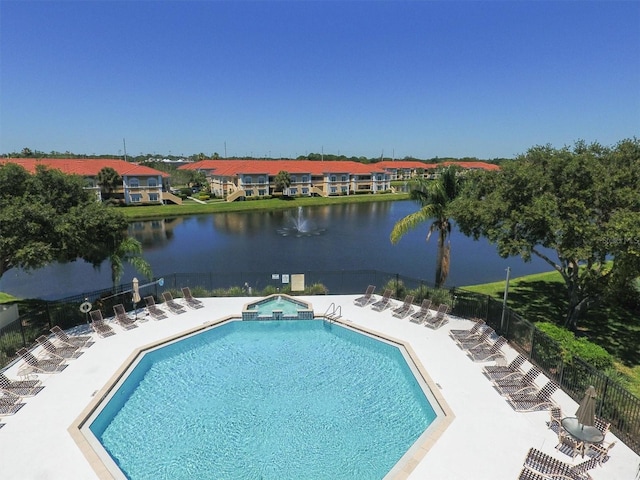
(583,433)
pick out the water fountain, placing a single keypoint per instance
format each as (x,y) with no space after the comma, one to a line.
(299,226)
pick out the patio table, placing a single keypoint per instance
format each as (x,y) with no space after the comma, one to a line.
(584,433)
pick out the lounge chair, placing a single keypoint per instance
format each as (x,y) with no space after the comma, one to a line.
(469,333)
(495,372)
(602,425)
(475,342)
(439,319)
(384,302)
(80,341)
(555,418)
(550,467)
(535,401)
(488,353)
(9,403)
(40,365)
(405,309)
(99,325)
(24,388)
(58,352)
(121,317)
(422,313)
(174,306)
(517,383)
(153,310)
(190,300)
(367,298)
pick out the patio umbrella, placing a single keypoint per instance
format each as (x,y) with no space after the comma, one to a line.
(136,295)
(586,412)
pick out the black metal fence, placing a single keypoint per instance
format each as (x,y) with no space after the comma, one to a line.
(615,404)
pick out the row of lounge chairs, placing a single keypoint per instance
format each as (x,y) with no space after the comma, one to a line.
(125,321)
(422,316)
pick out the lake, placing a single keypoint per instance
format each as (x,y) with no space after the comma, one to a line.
(338,237)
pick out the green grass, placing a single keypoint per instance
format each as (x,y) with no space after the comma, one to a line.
(6,298)
(542,297)
(189,207)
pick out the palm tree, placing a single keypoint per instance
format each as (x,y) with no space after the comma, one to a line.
(109,180)
(129,251)
(282,181)
(434,196)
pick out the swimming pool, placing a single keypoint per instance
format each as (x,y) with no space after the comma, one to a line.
(294,399)
(278,307)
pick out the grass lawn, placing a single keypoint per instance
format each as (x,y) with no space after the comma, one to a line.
(189,207)
(6,298)
(541,297)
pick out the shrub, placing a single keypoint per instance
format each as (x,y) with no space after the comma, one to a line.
(204,196)
(572,347)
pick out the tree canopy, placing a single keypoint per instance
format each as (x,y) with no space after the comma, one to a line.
(282,181)
(49,217)
(576,208)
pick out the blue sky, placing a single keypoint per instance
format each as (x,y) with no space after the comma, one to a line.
(282,79)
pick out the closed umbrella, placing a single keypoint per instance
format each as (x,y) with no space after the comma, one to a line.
(586,413)
(136,295)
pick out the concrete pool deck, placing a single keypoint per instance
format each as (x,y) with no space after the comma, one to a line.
(487,439)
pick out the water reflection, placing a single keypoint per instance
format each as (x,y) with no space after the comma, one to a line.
(353,237)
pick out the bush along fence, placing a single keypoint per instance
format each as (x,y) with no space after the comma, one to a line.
(573,374)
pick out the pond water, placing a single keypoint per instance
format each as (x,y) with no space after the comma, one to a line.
(339,237)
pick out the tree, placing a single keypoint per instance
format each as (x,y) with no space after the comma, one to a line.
(435,198)
(282,181)
(109,180)
(50,217)
(128,251)
(576,208)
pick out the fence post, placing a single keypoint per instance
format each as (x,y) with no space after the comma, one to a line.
(397,283)
(604,395)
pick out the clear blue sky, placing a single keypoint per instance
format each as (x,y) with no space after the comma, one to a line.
(281,79)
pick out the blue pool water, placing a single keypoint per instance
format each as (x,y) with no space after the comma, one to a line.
(288,306)
(266,400)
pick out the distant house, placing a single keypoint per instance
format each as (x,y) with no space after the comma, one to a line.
(140,184)
(234,179)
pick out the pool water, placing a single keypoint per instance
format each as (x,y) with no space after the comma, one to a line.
(266,400)
(289,307)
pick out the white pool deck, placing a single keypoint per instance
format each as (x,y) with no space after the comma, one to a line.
(487,439)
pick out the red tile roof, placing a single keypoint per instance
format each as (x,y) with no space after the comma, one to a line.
(86,167)
(413,164)
(230,168)
(474,165)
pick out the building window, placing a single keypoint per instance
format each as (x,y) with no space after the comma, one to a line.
(248,193)
(134,182)
(152,182)
(333,178)
(153,197)
(305,178)
(136,198)
(305,191)
(344,178)
(293,179)
(293,191)
(344,189)
(334,189)
(260,179)
(247,180)
(262,192)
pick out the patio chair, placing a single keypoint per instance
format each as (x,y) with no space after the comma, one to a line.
(439,319)
(475,342)
(24,388)
(518,382)
(40,365)
(422,313)
(58,352)
(367,298)
(600,451)
(122,319)
(535,401)
(487,354)
(80,341)
(99,325)
(174,306)
(384,302)
(153,310)
(405,309)
(568,444)
(9,403)
(190,300)
(602,425)
(496,372)
(552,468)
(469,333)
(555,418)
